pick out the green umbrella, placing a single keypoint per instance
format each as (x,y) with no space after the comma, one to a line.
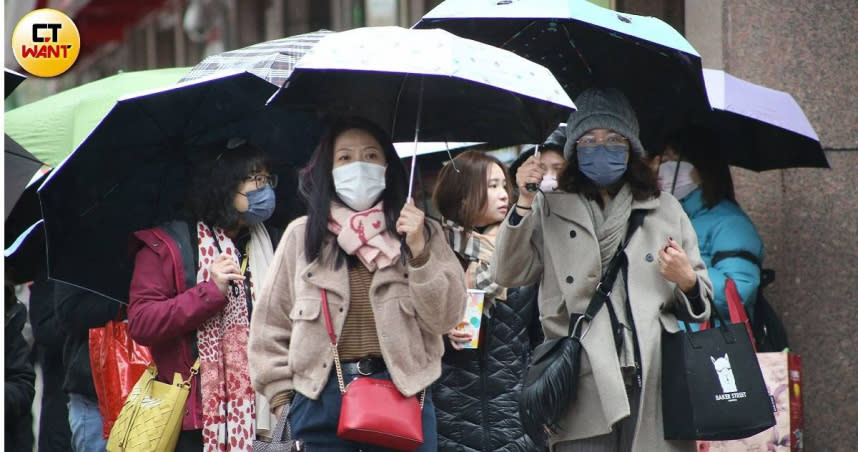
(51,128)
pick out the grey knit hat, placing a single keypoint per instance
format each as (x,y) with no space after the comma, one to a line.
(602,109)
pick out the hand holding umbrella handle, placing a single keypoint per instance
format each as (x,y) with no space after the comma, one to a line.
(534,187)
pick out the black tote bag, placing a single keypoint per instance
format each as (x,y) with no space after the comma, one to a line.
(711,384)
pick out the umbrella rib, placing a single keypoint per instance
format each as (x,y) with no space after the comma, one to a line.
(515,36)
(396,105)
(577,50)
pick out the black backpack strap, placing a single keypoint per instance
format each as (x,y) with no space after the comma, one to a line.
(767,275)
(747,255)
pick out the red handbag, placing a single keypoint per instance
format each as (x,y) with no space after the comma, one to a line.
(373,411)
(117,363)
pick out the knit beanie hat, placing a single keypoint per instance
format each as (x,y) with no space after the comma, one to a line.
(602,109)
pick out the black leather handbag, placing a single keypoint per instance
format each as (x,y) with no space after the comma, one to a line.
(550,382)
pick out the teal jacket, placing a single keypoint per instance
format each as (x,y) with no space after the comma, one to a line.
(726,227)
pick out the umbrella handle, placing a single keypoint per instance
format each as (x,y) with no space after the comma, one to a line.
(533,187)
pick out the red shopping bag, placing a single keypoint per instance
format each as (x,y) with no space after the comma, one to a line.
(782,374)
(738,314)
(117,363)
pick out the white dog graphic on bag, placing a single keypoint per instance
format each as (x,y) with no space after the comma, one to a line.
(725,373)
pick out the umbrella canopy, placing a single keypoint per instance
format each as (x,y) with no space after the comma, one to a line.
(270,60)
(462,90)
(25,257)
(406,150)
(11,80)
(132,172)
(26,210)
(760,128)
(20,167)
(52,127)
(585,46)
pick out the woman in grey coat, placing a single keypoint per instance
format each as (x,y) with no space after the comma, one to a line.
(564,240)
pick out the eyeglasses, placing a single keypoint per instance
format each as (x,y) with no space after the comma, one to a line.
(263,180)
(588,143)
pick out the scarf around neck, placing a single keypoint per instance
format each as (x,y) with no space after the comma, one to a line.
(477,250)
(229,408)
(611,223)
(365,235)
(611,226)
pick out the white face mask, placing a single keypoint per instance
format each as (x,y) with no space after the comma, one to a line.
(684,184)
(549,183)
(359,184)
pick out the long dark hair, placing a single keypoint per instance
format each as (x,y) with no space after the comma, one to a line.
(701,147)
(316,184)
(216,179)
(461,195)
(642,180)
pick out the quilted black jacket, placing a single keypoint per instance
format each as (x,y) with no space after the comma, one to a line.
(476,397)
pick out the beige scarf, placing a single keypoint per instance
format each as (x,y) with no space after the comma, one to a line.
(610,226)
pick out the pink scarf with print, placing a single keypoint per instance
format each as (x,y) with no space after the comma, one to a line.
(228,397)
(364,234)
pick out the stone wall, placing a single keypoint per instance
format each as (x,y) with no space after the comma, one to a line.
(807,217)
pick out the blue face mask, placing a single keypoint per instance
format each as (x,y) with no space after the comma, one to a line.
(260,205)
(604,165)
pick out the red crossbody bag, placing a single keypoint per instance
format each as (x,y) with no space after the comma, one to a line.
(373,411)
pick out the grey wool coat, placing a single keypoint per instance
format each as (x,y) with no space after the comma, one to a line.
(555,244)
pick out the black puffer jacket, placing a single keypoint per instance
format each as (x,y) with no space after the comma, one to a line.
(476,397)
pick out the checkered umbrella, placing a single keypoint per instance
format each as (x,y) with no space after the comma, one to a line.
(270,60)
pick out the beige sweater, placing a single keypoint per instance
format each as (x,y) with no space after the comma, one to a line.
(413,306)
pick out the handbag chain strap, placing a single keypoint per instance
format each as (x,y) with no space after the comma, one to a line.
(195,369)
(333,337)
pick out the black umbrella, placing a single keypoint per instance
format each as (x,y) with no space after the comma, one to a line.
(132,172)
(23,229)
(25,258)
(586,46)
(25,212)
(12,80)
(760,128)
(20,167)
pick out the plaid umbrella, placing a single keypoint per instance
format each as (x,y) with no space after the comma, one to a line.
(270,60)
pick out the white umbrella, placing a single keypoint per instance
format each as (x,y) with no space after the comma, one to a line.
(428,85)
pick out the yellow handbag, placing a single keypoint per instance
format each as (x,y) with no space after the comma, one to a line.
(151,418)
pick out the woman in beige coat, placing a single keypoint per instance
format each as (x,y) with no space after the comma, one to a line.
(564,239)
(390,302)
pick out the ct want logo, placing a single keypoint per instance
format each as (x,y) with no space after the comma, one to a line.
(46,42)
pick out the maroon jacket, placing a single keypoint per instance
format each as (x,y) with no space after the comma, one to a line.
(167,306)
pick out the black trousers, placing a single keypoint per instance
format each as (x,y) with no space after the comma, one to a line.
(190,441)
